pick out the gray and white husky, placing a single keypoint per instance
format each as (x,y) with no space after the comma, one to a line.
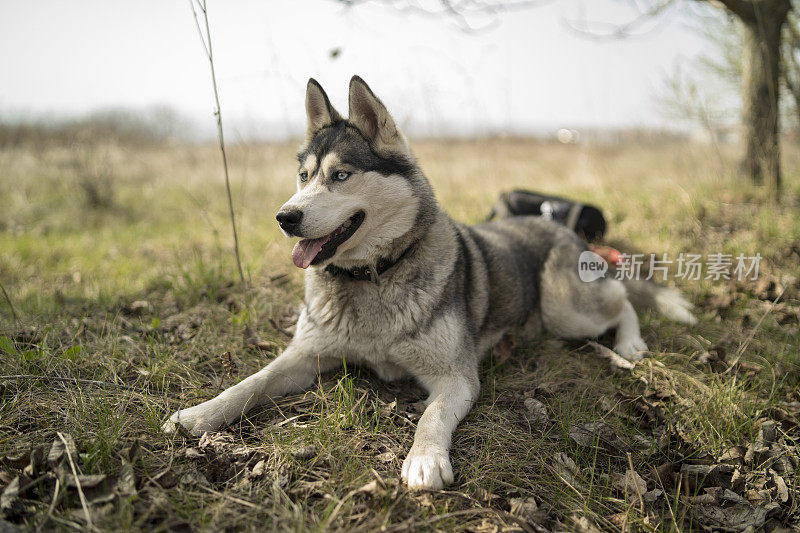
(392,282)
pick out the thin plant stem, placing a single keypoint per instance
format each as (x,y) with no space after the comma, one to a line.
(82,496)
(206,40)
(10,303)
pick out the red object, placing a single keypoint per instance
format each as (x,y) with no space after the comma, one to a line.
(611,255)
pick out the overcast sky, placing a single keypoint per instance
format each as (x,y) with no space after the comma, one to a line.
(528,72)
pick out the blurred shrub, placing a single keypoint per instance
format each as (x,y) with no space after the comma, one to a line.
(157,125)
(94,177)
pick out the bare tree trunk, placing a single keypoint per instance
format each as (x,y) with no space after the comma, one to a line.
(790,67)
(763,21)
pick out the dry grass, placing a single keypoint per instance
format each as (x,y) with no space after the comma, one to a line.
(137,293)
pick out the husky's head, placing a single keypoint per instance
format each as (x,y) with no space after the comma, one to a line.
(360,195)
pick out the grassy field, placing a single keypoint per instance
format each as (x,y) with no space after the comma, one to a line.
(126,306)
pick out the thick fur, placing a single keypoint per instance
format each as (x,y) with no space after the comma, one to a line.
(456,291)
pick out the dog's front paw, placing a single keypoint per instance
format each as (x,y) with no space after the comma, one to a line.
(631,348)
(196,420)
(427,467)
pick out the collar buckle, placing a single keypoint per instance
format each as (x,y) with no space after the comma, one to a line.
(373,274)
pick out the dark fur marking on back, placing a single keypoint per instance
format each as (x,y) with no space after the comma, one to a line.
(465,257)
(486,252)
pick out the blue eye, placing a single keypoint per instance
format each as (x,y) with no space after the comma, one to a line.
(341,175)
(303,176)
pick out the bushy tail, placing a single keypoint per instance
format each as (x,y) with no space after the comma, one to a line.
(669,302)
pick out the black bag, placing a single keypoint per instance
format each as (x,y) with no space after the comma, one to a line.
(585,220)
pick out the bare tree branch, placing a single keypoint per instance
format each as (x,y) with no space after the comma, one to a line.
(624,30)
(462,12)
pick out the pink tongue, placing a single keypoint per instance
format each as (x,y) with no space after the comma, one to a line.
(306,250)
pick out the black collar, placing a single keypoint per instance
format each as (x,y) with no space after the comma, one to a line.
(368,272)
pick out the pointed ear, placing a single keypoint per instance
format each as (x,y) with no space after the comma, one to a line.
(319,110)
(369,115)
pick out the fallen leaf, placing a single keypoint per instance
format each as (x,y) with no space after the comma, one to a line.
(127,479)
(630,484)
(165,479)
(259,469)
(192,453)
(598,433)
(485,496)
(58,450)
(758,453)
(545,389)
(85,481)
(738,517)
(620,520)
(587,435)
(386,457)
(216,441)
(193,478)
(97,511)
(652,496)
(304,452)
(373,488)
(566,462)
(536,413)
(730,496)
(663,474)
(706,498)
(36,462)
(583,525)
(18,460)
(757,496)
(525,508)
(767,432)
(780,485)
(10,496)
(565,468)
(131,453)
(695,476)
(737,481)
(388,409)
(734,455)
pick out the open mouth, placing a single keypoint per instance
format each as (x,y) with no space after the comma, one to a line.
(314,251)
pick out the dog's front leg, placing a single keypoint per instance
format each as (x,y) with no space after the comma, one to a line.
(427,465)
(292,371)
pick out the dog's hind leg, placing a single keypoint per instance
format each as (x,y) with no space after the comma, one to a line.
(629,343)
(576,309)
(292,371)
(427,465)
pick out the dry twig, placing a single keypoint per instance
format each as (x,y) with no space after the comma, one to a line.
(82,496)
(206,40)
(10,303)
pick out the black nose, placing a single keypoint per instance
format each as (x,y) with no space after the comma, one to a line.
(289,219)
